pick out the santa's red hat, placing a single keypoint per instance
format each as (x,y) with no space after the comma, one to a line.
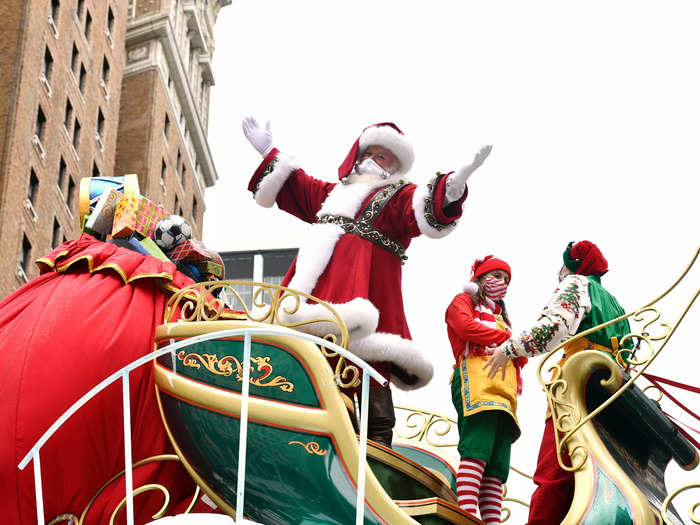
(585,258)
(385,134)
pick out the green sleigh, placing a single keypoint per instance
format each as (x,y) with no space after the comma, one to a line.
(302,450)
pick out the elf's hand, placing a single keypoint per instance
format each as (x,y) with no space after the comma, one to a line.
(456,183)
(498,361)
(261,139)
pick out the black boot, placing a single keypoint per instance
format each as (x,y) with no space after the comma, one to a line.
(381,418)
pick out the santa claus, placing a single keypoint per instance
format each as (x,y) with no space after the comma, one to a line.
(353,252)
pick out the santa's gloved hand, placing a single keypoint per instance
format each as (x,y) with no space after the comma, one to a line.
(457,181)
(260,138)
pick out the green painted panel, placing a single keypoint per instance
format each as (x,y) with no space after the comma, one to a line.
(397,484)
(285,483)
(609,504)
(428,460)
(280,375)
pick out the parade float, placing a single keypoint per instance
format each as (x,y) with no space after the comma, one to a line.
(232,408)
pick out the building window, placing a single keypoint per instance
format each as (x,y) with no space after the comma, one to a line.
(74,59)
(26,253)
(100,123)
(176,205)
(70,193)
(81,78)
(88,25)
(95,169)
(195,209)
(69,115)
(61,173)
(56,235)
(48,64)
(55,4)
(33,185)
(105,70)
(162,175)
(182,174)
(40,124)
(110,20)
(166,125)
(76,134)
(79,8)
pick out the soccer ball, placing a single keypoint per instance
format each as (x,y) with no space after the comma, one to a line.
(171,231)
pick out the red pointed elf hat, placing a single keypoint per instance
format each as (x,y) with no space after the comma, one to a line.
(386,134)
(585,258)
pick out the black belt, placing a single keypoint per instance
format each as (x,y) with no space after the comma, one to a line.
(364,227)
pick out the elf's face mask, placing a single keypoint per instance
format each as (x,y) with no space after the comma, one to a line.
(495,289)
(564,273)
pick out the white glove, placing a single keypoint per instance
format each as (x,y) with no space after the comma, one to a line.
(260,138)
(456,182)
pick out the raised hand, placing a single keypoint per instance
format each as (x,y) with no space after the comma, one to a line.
(260,139)
(455,184)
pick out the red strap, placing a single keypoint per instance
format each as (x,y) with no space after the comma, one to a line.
(663,391)
(672,383)
(685,434)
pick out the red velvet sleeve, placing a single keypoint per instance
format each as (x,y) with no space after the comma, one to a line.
(302,195)
(294,190)
(460,319)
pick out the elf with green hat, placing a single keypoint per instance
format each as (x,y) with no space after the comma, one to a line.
(580,302)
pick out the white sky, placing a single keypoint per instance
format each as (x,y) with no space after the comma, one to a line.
(593,110)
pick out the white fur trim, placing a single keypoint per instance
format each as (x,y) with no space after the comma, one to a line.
(360,316)
(422,192)
(345,200)
(471,288)
(271,185)
(404,353)
(392,140)
(314,254)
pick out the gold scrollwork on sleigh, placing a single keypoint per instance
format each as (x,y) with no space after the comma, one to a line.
(312,447)
(226,366)
(273,304)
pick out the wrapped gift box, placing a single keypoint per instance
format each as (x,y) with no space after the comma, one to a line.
(102,217)
(190,250)
(91,188)
(153,249)
(136,214)
(210,268)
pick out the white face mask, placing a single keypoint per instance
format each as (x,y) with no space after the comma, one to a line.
(369,167)
(564,273)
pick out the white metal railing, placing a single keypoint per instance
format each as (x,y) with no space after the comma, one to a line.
(34,454)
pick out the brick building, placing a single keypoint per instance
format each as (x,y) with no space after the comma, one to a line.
(99,87)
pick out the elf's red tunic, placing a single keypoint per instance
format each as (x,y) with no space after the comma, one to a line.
(360,278)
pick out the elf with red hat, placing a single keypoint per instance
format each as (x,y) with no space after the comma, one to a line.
(580,302)
(476,323)
(352,256)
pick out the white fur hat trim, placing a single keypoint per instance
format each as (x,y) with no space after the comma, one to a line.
(471,288)
(392,140)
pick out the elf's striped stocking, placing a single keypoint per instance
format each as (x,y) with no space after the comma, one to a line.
(468,482)
(490,498)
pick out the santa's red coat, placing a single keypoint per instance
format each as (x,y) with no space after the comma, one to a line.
(360,279)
